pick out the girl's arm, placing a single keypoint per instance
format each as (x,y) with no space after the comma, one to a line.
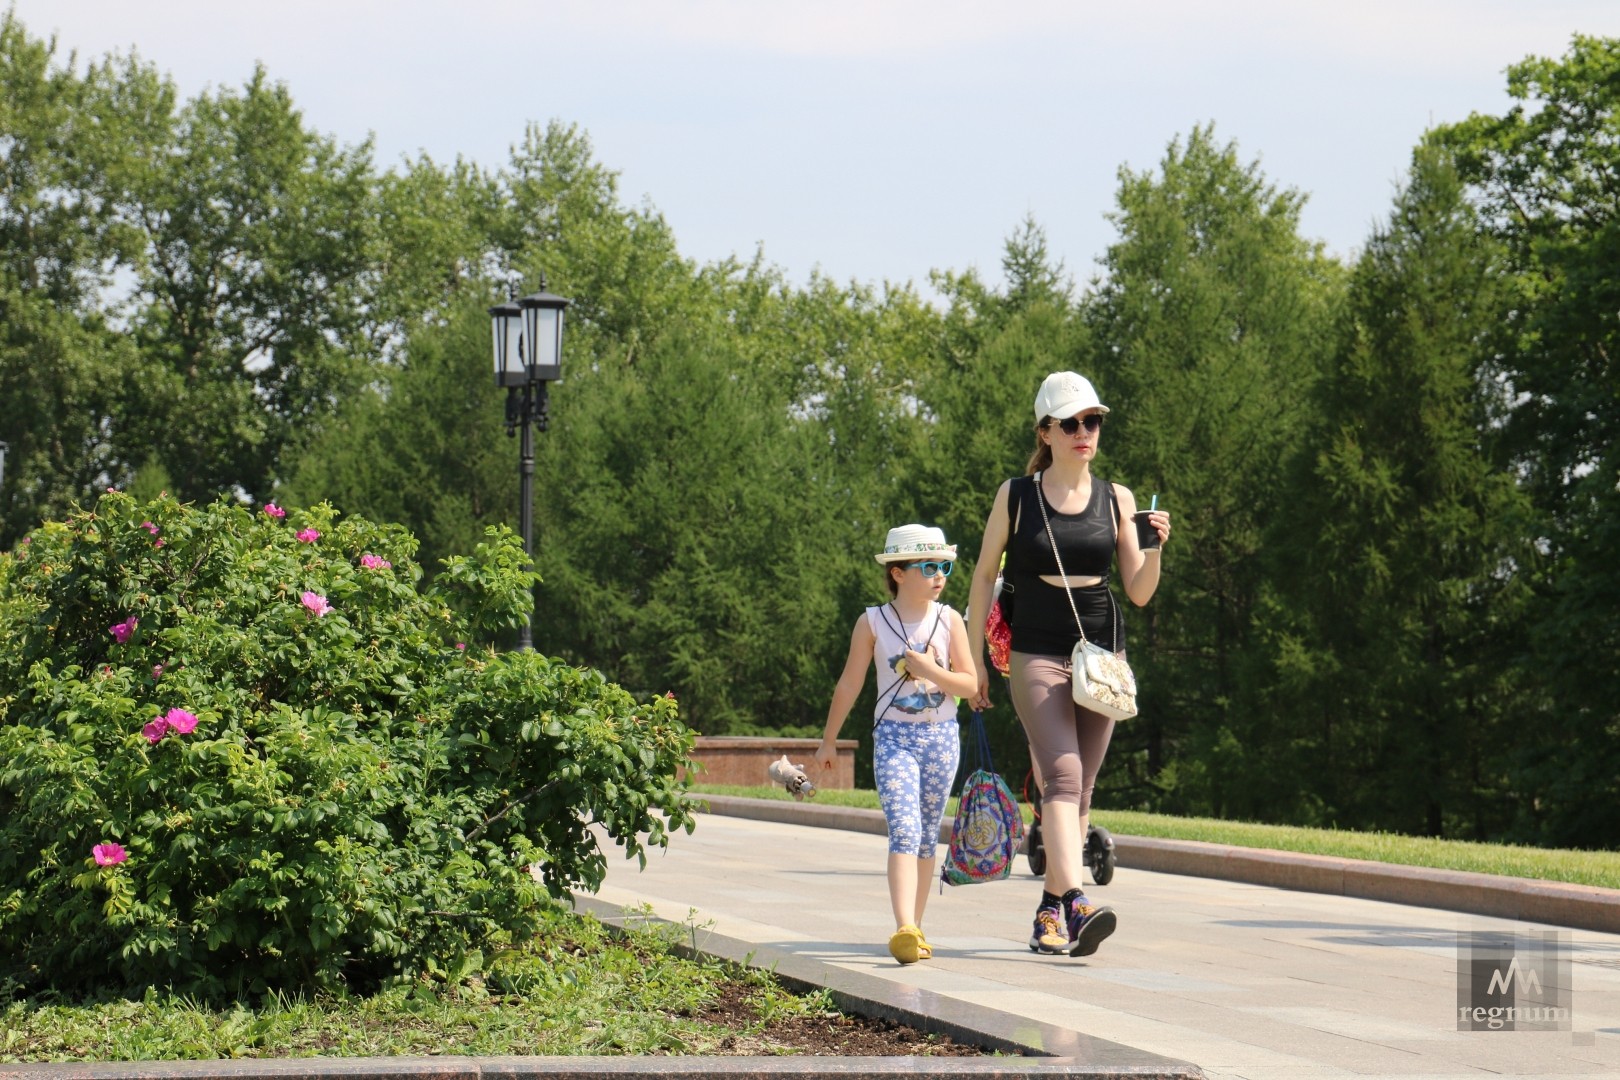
(981,588)
(848,689)
(1138,569)
(962,678)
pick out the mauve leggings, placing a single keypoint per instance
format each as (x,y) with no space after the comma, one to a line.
(1067,742)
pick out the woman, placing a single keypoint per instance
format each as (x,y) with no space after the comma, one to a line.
(1091,522)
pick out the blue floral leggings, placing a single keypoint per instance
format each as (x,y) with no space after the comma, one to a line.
(915,763)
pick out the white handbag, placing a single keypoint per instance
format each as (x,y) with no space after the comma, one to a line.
(1103,681)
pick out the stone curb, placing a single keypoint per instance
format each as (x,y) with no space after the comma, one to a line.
(1579,907)
(1055,1052)
(579,1068)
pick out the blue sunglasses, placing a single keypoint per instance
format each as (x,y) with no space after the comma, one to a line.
(929,569)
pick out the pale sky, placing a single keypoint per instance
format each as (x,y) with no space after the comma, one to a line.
(874,139)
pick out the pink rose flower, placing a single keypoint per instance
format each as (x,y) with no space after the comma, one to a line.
(149,527)
(123,631)
(316,604)
(157,672)
(375,562)
(461,646)
(309,536)
(180,721)
(109,854)
(272,510)
(155,730)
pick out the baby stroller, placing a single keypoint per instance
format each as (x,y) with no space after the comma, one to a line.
(1099,843)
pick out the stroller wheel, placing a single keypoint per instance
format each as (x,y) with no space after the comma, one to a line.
(1035,850)
(1100,854)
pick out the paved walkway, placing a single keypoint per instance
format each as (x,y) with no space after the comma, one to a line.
(1245,981)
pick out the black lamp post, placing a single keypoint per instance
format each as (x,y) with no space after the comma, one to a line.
(528,358)
(3,448)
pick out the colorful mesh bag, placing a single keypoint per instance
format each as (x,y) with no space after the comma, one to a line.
(988,828)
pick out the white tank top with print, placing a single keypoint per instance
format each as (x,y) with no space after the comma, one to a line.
(900,697)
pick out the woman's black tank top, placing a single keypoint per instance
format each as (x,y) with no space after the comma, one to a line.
(1042,622)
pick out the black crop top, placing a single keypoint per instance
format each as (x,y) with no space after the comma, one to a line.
(1042,620)
(1085,540)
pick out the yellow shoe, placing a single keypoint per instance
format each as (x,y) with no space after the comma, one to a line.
(925,951)
(906,945)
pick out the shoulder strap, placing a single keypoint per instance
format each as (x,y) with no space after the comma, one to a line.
(1040,500)
(1015,506)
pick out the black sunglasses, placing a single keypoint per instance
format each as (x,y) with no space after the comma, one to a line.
(1070,425)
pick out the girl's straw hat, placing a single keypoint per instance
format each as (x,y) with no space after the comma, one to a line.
(908,543)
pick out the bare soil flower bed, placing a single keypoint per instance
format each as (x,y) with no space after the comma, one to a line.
(823,1034)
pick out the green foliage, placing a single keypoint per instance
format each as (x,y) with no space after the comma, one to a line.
(183,284)
(204,297)
(573,988)
(424,444)
(1544,174)
(255,242)
(1395,629)
(1210,328)
(62,374)
(992,350)
(673,527)
(361,797)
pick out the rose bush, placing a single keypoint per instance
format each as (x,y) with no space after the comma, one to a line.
(248,751)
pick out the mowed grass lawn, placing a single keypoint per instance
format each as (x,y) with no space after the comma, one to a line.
(1600,868)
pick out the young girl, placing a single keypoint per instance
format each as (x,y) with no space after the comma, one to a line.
(924,664)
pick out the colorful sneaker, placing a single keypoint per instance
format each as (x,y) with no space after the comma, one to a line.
(906,945)
(1088,925)
(1049,935)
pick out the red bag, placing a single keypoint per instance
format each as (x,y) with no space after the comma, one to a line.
(998,634)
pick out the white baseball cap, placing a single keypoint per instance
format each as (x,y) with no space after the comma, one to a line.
(1065,394)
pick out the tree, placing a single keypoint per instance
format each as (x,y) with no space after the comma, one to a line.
(682,542)
(63,373)
(1209,330)
(255,253)
(993,350)
(424,444)
(1395,619)
(1546,175)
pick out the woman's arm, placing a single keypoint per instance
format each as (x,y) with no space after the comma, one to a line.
(981,588)
(848,689)
(1138,569)
(961,679)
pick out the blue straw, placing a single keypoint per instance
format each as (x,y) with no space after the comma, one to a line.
(1154,505)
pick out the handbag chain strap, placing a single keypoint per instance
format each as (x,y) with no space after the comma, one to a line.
(1040,498)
